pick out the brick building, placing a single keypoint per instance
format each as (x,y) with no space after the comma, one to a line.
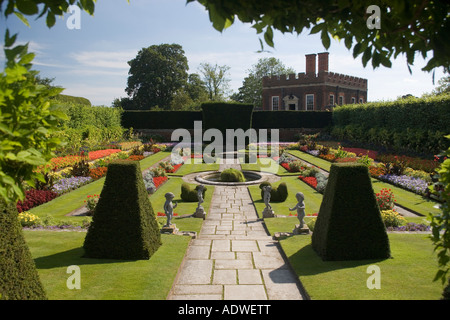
(312,91)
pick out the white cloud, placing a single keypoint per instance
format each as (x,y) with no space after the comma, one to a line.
(96,94)
(104,59)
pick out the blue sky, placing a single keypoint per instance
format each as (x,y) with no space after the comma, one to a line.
(92,61)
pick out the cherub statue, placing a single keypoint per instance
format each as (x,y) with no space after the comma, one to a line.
(267,190)
(300,206)
(168,207)
(200,189)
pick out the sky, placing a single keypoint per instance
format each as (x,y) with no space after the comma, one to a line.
(91,62)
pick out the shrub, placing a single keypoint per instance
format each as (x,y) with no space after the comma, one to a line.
(392,218)
(27,219)
(232,175)
(190,195)
(385,199)
(277,194)
(19,278)
(124,225)
(349,224)
(81,169)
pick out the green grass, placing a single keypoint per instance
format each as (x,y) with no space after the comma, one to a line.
(195,167)
(407,276)
(103,279)
(405,198)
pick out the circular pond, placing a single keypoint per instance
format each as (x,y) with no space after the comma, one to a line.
(213,178)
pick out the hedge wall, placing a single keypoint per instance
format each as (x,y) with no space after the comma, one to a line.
(222,116)
(291,119)
(259,119)
(138,119)
(413,124)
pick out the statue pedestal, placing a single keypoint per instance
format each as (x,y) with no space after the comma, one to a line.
(170,229)
(303,230)
(200,213)
(268,213)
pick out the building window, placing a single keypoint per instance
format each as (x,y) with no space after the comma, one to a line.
(361,100)
(275,102)
(331,99)
(309,102)
(353,100)
(341,100)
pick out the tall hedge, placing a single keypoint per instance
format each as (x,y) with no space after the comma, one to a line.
(349,224)
(222,116)
(139,119)
(124,225)
(411,124)
(291,119)
(19,279)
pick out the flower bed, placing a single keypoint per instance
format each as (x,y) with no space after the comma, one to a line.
(34,198)
(158,181)
(94,155)
(312,181)
(97,173)
(68,184)
(162,214)
(416,185)
(361,152)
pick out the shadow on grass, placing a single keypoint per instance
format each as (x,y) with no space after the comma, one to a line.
(306,262)
(70,257)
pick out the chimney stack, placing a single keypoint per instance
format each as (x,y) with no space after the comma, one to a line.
(311,63)
(323,62)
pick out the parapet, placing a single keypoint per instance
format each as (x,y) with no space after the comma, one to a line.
(319,78)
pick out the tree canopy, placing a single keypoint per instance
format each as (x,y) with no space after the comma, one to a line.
(155,75)
(405,27)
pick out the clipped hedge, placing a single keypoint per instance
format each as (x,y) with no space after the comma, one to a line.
(190,195)
(413,124)
(222,116)
(19,279)
(232,175)
(291,119)
(277,194)
(349,224)
(138,119)
(124,225)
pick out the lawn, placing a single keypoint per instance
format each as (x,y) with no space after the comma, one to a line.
(103,279)
(408,275)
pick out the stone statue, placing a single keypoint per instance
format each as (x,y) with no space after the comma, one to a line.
(267,212)
(300,206)
(267,190)
(200,189)
(168,207)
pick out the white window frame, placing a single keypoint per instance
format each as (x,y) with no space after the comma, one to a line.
(331,99)
(361,100)
(341,100)
(353,100)
(277,99)
(306,102)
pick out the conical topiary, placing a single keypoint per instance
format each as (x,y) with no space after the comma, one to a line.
(19,279)
(349,224)
(124,225)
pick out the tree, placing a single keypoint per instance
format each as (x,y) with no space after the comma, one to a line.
(443,86)
(378,33)
(191,96)
(155,75)
(251,90)
(216,81)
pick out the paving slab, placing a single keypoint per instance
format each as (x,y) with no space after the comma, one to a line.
(233,256)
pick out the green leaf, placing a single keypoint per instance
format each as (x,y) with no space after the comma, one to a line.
(27,7)
(9,41)
(22,18)
(50,20)
(325,38)
(317,28)
(268,36)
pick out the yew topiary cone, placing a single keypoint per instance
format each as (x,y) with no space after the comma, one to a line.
(19,279)
(124,225)
(349,224)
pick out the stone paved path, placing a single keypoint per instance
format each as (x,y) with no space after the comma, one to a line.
(233,257)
